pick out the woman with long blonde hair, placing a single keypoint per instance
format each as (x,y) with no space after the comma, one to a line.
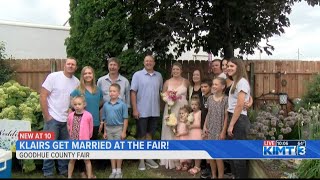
(94,98)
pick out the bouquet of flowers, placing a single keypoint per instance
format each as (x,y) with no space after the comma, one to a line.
(170,97)
(171,121)
(190,118)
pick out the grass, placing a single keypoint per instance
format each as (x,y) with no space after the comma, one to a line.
(103,170)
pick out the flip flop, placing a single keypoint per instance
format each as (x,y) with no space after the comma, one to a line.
(195,170)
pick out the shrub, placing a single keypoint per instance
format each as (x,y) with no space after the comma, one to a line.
(271,123)
(309,168)
(302,124)
(310,125)
(312,96)
(310,122)
(252,115)
(21,103)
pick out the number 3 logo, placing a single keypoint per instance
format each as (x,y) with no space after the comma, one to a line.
(301,150)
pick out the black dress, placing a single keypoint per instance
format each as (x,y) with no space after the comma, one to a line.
(199,93)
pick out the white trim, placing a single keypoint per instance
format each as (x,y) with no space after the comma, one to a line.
(112,154)
(31,25)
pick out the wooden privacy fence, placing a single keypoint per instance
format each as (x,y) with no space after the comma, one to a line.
(267,76)
(32,73)
(187,66)
(279,76)
(291,77)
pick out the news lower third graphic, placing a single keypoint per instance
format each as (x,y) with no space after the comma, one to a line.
(284,148)
(42,146)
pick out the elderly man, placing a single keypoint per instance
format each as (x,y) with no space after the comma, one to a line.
(113,76)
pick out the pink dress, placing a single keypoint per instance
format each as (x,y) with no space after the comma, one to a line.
(182,128)
(195,133)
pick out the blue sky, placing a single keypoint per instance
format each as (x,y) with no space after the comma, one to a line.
(303,33)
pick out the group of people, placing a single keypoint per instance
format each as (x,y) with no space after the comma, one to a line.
(80,110)
(218,104)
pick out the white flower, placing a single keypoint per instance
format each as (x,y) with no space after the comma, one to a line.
(164,98)
(172,120)
(316,116)
(170,103)
(190,118)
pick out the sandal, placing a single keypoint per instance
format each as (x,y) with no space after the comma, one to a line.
(185,167)
(83,175)
(195,170)
(179,167)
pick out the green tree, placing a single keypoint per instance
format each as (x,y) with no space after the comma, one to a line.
(148,31)
(104,28)
(6,71)
(222,26)
(2,50)
(99,29)
(112,28)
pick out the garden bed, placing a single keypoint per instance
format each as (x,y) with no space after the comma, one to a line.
(273,168)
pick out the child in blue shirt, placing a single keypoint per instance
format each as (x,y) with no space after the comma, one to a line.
(115,117)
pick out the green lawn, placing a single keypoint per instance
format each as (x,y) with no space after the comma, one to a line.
(130,170)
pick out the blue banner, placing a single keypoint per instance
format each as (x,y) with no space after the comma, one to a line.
(222,149)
